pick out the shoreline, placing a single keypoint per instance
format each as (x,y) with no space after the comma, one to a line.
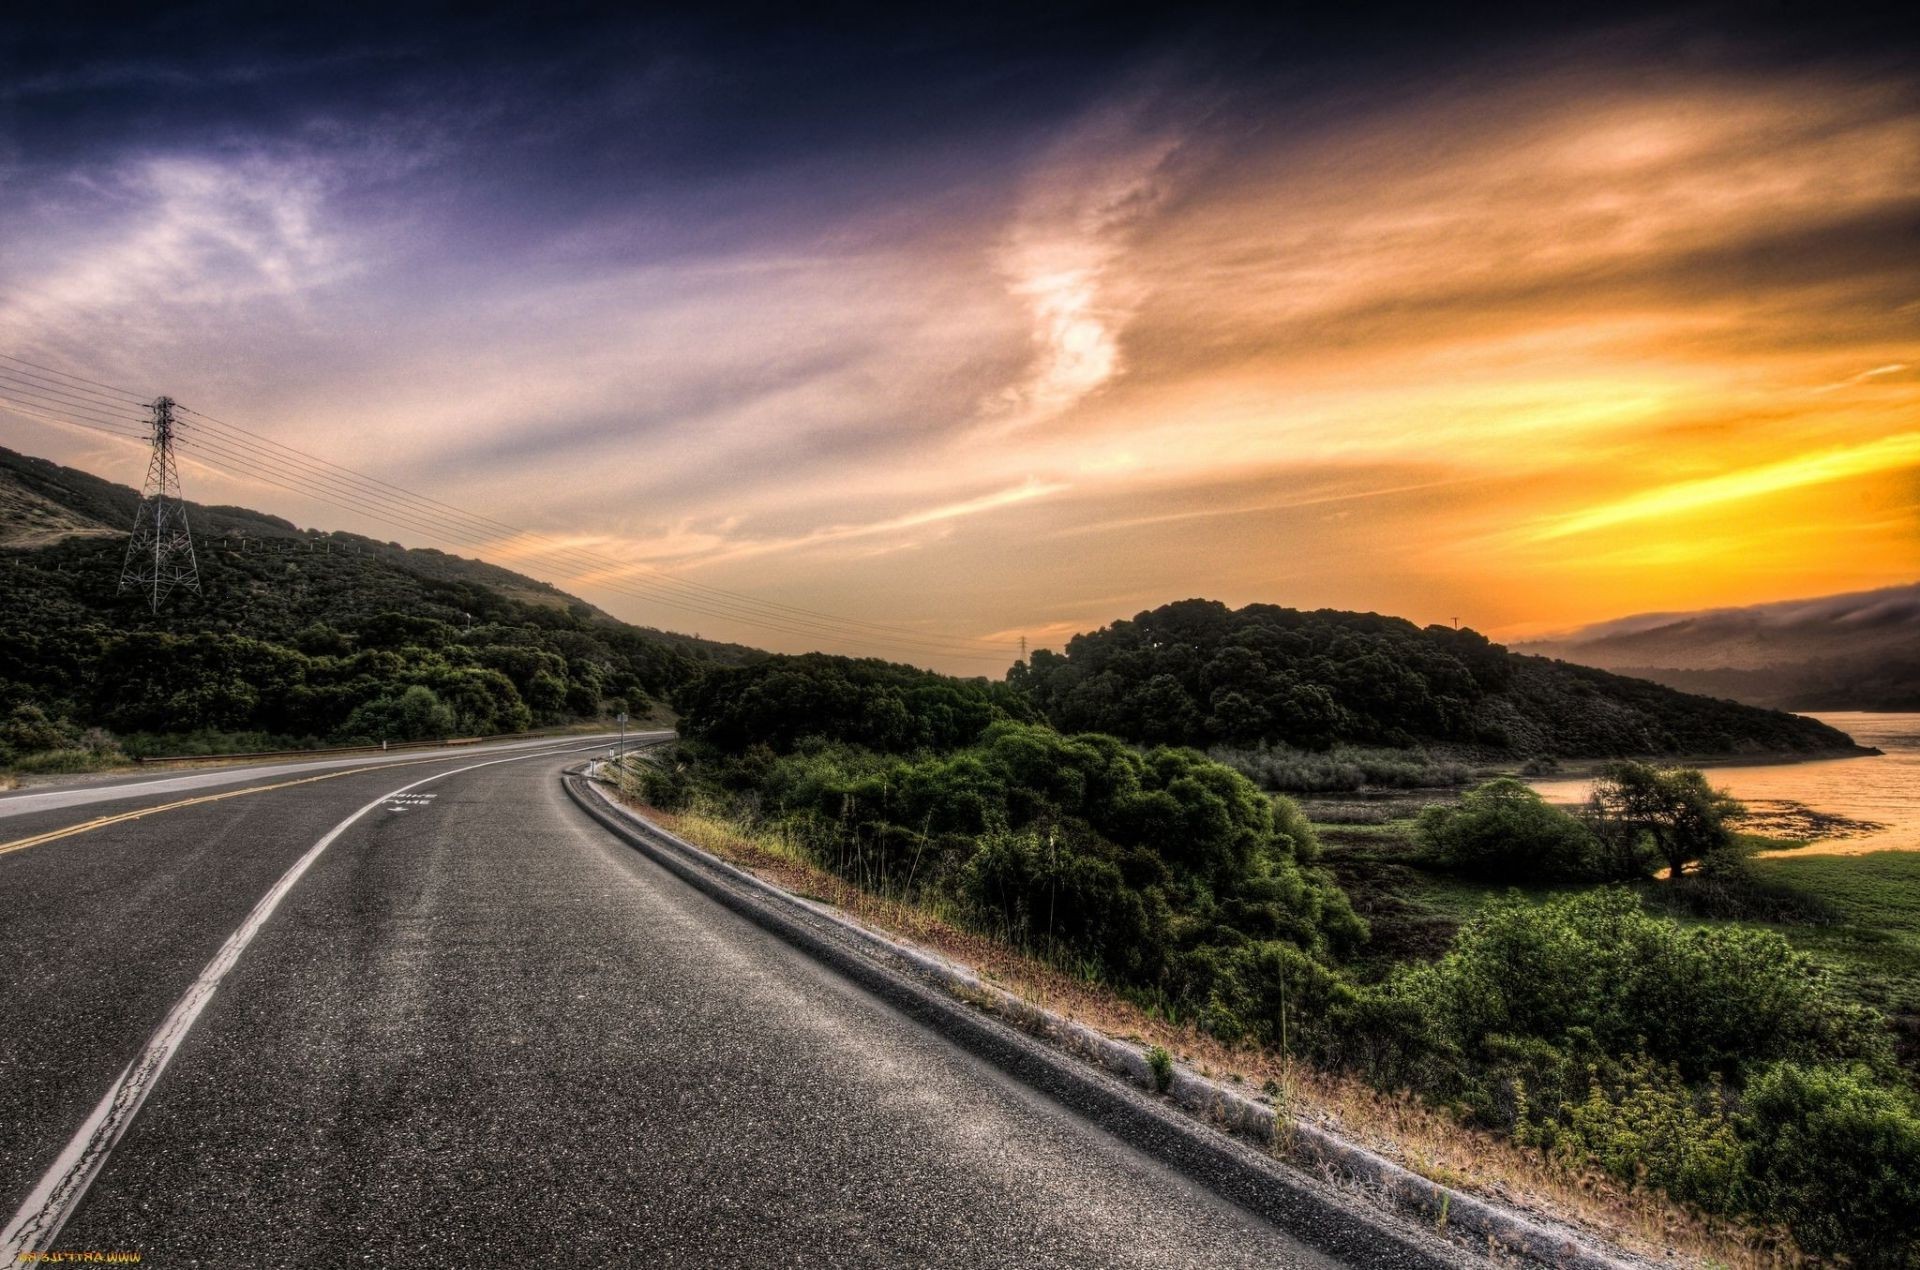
(1577,768)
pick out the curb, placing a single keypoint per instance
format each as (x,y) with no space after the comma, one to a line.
(1058,1065)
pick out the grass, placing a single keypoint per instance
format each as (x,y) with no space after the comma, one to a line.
(1428,1140)
(1873,942)
(1344,768)
(60,762)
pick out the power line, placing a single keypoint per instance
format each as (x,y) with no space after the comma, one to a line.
(580,557)
(79,391)
(597,561)
(226,461)
(722,606)
(57,402)
(46,417)
(237,450)
(132,396)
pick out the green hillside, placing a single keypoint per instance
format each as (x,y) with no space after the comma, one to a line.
(1199,673)
(298,636)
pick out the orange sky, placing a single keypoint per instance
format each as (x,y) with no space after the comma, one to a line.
(1529,353)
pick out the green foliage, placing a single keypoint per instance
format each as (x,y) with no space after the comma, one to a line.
(415,714)
(1584,1025)
(1080,846)
(48,762)
(1597,965)
(1505,831)
(781,701)
(1673,808)
(27,730)
(1715,1064)
(295,631)
(1641,1121)
(1163,872)
(32,742)
(1836,1155)
(1197,673)
(1161,1064)
(1341,768)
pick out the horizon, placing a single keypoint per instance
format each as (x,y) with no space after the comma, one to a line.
(1012,327)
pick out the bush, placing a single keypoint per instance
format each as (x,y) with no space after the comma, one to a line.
(781,701)
(1643,1123)
(416,714)
(1706,1000)
(1161,1064)
(28,730)
(1343,769)
(1837,1157)
(50,762)
(1503,830)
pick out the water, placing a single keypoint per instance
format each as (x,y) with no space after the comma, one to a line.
(1883,791)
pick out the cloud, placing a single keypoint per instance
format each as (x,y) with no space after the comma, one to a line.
(1888,454)
(1851,381)
(173,233)
(1492,313)
(1064,253)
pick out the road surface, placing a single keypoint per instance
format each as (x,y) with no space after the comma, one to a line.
(480,1030)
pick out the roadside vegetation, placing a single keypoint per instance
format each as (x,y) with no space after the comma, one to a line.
(1627,1011)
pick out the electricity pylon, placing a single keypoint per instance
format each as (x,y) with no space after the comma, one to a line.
(160,551)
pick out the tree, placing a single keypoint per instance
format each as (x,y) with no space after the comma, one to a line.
(1505,831)
(1685,817)
(417,714)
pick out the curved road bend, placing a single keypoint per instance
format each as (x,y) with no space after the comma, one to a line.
(479,1029)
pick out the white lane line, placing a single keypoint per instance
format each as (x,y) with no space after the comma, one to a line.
(28,801)
(53,1201)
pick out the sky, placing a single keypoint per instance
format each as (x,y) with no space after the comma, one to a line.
(1015,321)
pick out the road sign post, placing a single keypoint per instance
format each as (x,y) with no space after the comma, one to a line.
(623,738)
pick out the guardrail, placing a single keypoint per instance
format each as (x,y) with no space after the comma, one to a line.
(323,751)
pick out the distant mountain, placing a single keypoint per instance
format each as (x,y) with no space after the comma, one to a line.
(1199,673)
(297,634)
(1859,651)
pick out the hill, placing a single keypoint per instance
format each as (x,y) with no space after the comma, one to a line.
(1859,651)
(1199,673)
(298,635)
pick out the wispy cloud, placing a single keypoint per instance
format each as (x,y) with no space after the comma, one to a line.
(1888,454)
(1851,381)
(1063,258)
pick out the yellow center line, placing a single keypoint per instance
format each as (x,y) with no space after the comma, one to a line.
(53,835)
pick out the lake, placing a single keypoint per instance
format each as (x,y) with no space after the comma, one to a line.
(1883,791)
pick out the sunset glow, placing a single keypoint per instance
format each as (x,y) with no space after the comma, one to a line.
(1529,338)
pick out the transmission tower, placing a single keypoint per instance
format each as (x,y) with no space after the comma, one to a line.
(160,551)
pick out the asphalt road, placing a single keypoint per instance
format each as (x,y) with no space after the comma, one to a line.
(479,1029)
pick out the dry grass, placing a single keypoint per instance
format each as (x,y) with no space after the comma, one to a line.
(1400,1126)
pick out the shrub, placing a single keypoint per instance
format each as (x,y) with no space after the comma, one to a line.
(1161,1063)
(28,730)
(1837,1157)
(1505,831)
(416,714)
(1342,769)
(1706,1000)
(1643,1123)
(50,762)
